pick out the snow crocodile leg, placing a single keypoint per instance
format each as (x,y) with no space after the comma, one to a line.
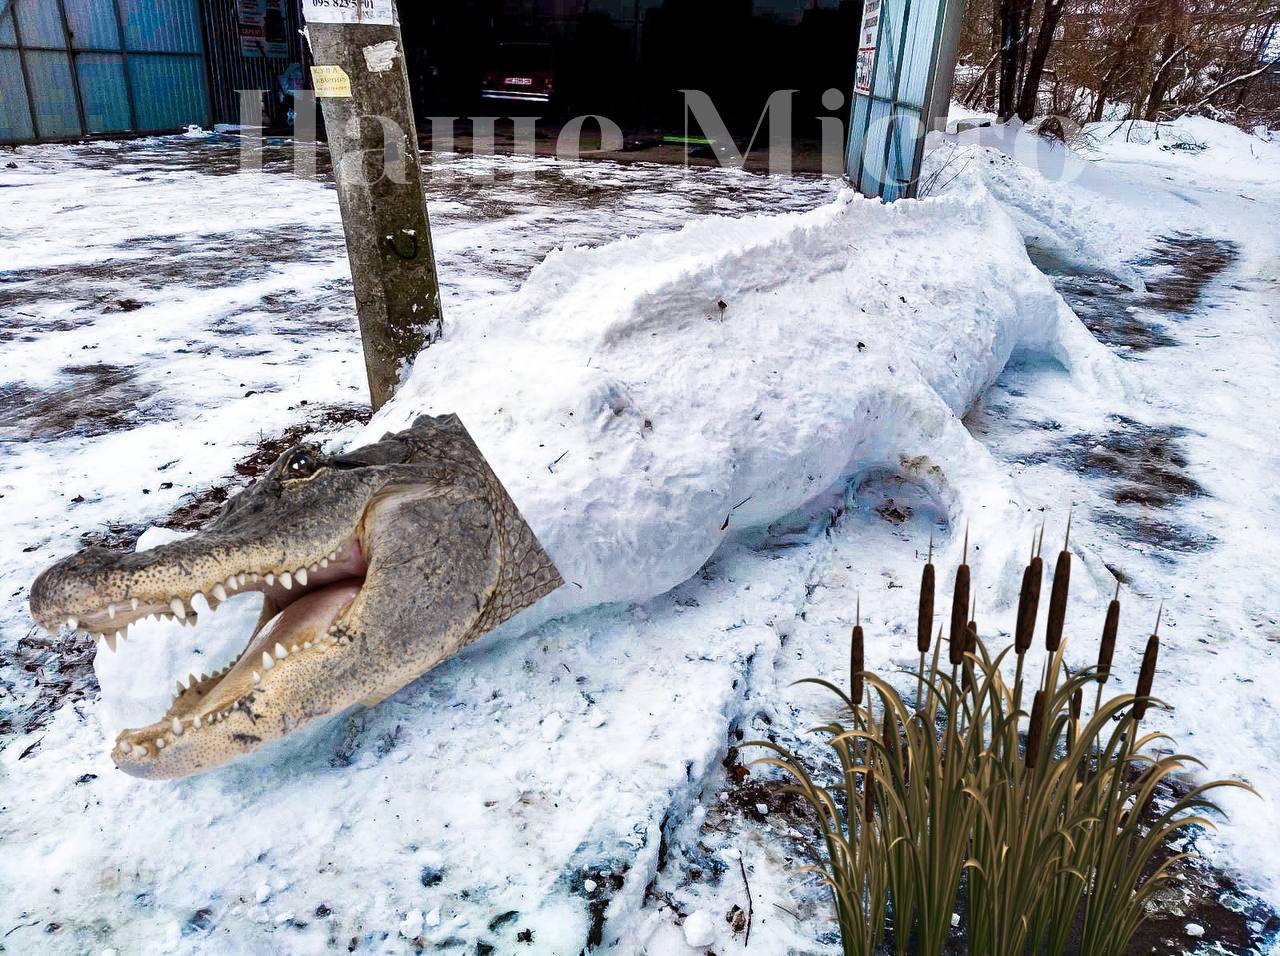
(374,566)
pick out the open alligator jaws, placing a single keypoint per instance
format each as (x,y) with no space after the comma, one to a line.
(374,565)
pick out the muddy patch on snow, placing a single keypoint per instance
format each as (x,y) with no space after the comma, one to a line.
(61,669)
(1180,269)
(1177,273)
(159,262)
(90,400)
(1108,310)
(1144,469)
(1141,464)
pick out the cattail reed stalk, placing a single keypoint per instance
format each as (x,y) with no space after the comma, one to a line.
(1147,675)
(1077,705)
(1035,731)
(857,660)
(960,607)
(1058,596)
(1029,599)
(869,793)
(970,648)
(1107,649)
(924,621)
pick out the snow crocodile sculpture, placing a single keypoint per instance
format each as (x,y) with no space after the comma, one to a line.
(641,401)
(374,566)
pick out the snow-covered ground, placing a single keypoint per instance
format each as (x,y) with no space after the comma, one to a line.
(731,483)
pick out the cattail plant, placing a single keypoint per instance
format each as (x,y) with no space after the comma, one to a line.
(949,801)
(1058,595)
(1028,609)
(959,608)
(924,619)
(1147,674)
(857,654)
(1107,646)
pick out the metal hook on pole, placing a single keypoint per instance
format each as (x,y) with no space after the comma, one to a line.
(393,242)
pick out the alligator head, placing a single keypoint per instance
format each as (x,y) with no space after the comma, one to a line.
(374,566)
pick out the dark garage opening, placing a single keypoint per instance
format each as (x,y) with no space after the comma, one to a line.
(629,59)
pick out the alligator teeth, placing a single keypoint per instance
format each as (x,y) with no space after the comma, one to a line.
(294,649)
(111,610)
(195,721)
(333,555)
(287,580)
(301,575)
(241,578)
(306,645)
(257,678)
(271,579)
(219,592)
(111,640)
(182,688)
(324,563)
(133,603)
(281,653)
(231,582)
(72,623)
(179,609)
(176,724)
(159,743)
(139,750)
(314,569)
(267,661)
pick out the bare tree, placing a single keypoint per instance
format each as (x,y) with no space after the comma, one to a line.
(1141,59)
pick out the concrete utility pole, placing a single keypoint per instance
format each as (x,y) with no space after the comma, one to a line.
(363,86)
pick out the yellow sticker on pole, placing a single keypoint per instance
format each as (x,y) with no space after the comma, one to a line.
(331,81)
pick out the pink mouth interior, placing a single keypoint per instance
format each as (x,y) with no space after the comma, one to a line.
(306,619)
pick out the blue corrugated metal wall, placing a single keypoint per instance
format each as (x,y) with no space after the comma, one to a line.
(888,123)
(74,67)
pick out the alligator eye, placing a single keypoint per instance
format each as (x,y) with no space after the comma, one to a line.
(302,464)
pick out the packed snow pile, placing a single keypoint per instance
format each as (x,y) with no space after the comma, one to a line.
(1195,142)
(1063,205)
(643,400)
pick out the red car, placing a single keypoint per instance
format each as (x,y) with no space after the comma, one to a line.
(520,71)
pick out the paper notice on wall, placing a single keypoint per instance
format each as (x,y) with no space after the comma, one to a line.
(331,82)
(868,37)
(349,11)
(263,27)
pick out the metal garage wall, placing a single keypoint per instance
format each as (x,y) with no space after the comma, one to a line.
(70,68)
(234,64)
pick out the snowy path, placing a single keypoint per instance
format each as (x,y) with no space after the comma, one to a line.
(567,784)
